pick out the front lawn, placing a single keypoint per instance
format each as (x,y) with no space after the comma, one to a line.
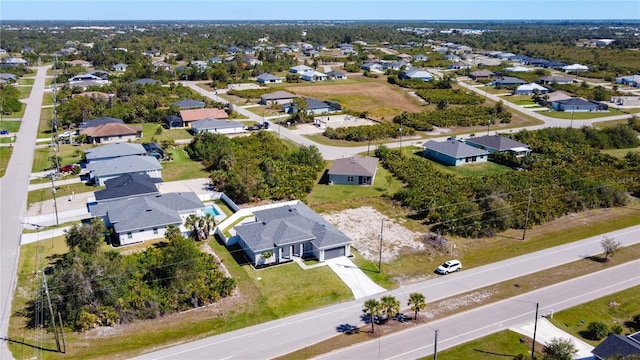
(16,115)
(25,91)
(182,168)
(473,170)
(12,126)
(505,344)
(583,115)
(5,156)
(62,191)
(149,131)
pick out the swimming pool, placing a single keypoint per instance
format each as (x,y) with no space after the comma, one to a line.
(211,210)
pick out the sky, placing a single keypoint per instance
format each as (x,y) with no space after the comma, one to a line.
(319,10)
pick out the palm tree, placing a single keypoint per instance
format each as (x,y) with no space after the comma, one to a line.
(172,232)
(389,305)
(371,308)
(192,223)
(417,302)
(209,224)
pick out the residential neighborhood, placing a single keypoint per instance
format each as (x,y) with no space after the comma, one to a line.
(170,186)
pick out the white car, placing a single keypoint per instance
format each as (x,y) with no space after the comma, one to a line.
(449,266)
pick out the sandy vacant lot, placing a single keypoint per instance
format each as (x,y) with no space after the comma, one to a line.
(363,226)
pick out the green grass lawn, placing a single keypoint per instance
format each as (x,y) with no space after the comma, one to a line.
(6,140)
(582,115)
(70,154)
(149,133)
(182,168)
(5,156)
(12,126)
(576,319)
(505,344)
(620,153)
(23,81)
(473,170)
(25,91)
(47,99)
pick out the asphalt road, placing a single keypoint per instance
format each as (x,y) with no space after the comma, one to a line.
(13,201)
(301,330)
(458,329)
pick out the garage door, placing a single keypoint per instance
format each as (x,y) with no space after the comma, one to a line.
(334,253)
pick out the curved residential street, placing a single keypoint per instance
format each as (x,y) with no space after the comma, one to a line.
(301,330)
(13,201)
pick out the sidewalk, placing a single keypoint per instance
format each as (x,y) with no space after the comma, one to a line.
(42,235)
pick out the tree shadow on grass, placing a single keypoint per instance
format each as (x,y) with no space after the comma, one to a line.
(494,353)
(597,258)
(29,345)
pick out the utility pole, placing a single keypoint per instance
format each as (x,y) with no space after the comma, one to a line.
(535,328)
(55,202)
(400,137)
(53,318)
(573,110)
(526,216)
(380,258)
(435,346)
(488,125)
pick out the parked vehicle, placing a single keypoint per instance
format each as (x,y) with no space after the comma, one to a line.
(449,266)
(66,168)
(4,132)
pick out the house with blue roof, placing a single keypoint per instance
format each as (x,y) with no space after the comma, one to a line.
(632,80)
(313,107)
(189,104)
(454,152)
(101,171)
(415,74)
(578,105)
(127,186)
(278,235)
(266,78)
(112,151)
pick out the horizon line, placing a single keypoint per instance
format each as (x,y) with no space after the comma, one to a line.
(332,20)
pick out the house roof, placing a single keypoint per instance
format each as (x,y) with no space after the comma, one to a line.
(335,73)
(288,225)
(509,80)
(454,148)
(278,95)
(313,74)
(355,165)
(531,87)
(301,68)
(268,77)
(99,121)
(576,102)
(215,124)
(124,165)
(147,211)
(314,104)
(114,150)
(482,73)
(556,78)
(146,81)
(557,95)
(110,129)
(189,104)
(93,95)
(575,67)
(616,345)
(8,76)
(417,74)
(200,114)
(517,69)
(496,142)
(127,185)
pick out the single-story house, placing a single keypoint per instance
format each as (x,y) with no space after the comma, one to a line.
(267,78)
(453,152)
(137,219)
(300,69)
(314,106)
(78,62)
(554,79)
(102,171)
(579,105)
(127,186)
(111,132)
(215,60)
(161,65)
(415,74)
(189,104)
(173,121)
(575,68)
(420,57)
(452,57)
(100,73)
(459,65)
(8,77)
(217,126)
(618,347)
(279,234)
(354,170)
(112,151)
(497,143)
(146,81)
(119,67)
(189,116)
(404,57)
(633,80)
(313,76)
(94,95)
(507,81)
(557,96)
(14,61)
(372,66)
(336,75)
(396,65)
(529,89)
(201,65)
(517,69)
(87,80)
(277,97)
(481,74)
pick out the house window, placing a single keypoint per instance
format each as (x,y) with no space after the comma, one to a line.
(129,236)
(155,231)
(473,159)
(350,178)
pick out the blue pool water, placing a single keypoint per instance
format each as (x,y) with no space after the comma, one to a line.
(211,210)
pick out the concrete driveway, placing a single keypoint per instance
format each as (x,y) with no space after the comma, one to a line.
(546,331)
(361,285)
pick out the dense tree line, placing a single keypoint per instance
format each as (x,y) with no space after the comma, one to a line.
(91,288)
(565,174)
(471,115)
(368,132)
(456,97)
(259,166)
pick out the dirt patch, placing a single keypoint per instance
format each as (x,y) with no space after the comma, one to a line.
(363,226)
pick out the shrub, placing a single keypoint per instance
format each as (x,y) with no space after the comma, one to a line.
(597,330)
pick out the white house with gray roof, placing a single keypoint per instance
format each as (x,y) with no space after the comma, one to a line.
(146,217)
(112,151)
(277,97)
(354,170)
(277,235)
(454,152)
(102,171)
(217,126)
